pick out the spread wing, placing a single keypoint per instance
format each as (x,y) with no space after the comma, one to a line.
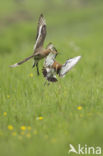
(68,65)
(41,32)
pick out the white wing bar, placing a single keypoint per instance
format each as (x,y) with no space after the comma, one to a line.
(69,65)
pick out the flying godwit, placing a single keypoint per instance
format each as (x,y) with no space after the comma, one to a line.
(39,52)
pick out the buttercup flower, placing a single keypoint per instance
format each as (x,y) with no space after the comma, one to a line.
(31,75)
(10,127)
(8,96)
(5,113)
(39,118)
(23,128)
(79,107)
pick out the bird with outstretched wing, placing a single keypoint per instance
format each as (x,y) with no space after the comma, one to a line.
(39,52)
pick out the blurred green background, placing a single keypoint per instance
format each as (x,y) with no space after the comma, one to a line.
(38,120)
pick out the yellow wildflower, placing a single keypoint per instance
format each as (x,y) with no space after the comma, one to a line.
(23,128)
(5,113)
(35,132)
(28,135)
(10,127)
(14,133)
(79,107)
(39,118)
(8,96)
(31,75)
(29,128)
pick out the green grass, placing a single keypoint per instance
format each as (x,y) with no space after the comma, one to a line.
(75,30)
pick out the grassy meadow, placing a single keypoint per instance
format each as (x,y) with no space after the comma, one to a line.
(43,120)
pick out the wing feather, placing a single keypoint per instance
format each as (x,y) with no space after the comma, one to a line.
(41,32)
(68,65)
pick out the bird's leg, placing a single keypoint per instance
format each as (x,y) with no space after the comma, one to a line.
(33,65)
(37,69)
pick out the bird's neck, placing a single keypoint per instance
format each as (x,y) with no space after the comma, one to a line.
(47,51)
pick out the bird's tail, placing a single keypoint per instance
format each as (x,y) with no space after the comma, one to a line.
(21,62)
